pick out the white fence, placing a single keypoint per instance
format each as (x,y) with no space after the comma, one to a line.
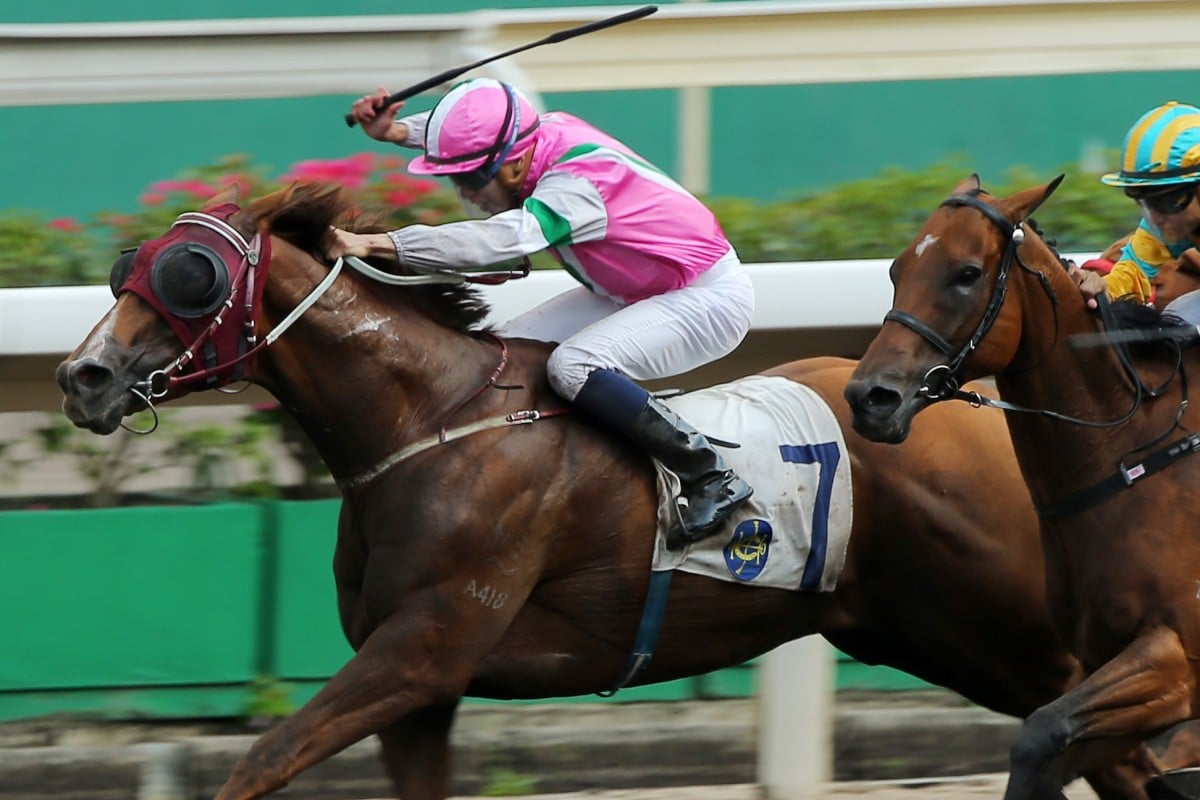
(818,295)
(795,680)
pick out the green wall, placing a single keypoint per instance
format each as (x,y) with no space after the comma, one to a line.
(79,160)
(768,142)
(174,611)
(127,10)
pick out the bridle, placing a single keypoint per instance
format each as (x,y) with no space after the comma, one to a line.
(943,381)
(227,337)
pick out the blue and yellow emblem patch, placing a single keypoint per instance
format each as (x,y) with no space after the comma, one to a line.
(748,548)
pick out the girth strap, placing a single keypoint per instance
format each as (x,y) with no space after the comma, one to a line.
(647,634)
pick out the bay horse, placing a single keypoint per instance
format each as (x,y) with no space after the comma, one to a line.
(1102,435)
(477,558)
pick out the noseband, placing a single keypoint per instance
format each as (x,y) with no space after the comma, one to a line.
(943,381)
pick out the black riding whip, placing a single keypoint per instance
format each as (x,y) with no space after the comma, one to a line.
(570,33)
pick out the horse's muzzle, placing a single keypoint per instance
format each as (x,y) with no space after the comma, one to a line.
(91,398)
(876,411)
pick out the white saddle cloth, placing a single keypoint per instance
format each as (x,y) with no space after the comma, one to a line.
(793,532)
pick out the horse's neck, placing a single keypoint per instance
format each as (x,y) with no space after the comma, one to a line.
(365,379)
(1086,384)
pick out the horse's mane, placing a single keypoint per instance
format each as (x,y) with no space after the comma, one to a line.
(302,213)
(1127,313)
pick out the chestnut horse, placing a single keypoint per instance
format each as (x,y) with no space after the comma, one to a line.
(507,562)
(1102,435)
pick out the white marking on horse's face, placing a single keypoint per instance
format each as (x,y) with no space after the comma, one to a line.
(926,243)
(96,344)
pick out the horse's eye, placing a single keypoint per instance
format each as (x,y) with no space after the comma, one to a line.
(968,276)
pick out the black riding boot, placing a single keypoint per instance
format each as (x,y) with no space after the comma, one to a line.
(710,490)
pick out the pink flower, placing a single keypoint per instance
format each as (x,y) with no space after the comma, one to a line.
(198,188)
(404,190)
(64,224)
(153,199)
(400,197)
(350,172)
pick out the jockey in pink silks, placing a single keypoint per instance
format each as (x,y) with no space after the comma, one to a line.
(663,290)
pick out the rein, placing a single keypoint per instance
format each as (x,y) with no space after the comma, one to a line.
(943,382)
(255,256)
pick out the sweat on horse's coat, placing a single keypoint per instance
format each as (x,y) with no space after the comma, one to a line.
(515,562)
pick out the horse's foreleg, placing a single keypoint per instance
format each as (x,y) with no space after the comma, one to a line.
(1145,689)
(402,667)
(1126,779)
(1183,747)
(416,753)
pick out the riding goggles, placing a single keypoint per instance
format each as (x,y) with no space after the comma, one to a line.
(1170,200)
(474,180)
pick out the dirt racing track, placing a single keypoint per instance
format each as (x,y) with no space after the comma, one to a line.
(887,746)
(964,788)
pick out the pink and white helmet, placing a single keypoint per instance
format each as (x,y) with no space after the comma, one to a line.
(478,126)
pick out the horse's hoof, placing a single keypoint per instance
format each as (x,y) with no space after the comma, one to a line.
(1178,784)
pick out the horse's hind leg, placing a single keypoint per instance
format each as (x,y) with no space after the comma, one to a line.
(1146,689)
(416,753)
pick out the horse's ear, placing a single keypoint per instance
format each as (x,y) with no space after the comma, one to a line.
(968,185)
(1020,205)
(230,194)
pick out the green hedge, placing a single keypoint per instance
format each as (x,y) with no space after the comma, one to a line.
(873,218)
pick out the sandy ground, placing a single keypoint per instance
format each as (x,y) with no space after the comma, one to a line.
(975,787)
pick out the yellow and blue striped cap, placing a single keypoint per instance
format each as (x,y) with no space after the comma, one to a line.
(1162,148)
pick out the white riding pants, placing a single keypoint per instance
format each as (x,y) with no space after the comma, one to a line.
(1186,307)
(658,337)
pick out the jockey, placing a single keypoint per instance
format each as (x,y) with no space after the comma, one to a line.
(1160,170)
(663,290)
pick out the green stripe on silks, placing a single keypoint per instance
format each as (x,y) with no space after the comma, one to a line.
(555,227)
(647,634)
(584,149)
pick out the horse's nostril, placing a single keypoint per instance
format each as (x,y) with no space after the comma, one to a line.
(881,401)
(86,375)
(872,400)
